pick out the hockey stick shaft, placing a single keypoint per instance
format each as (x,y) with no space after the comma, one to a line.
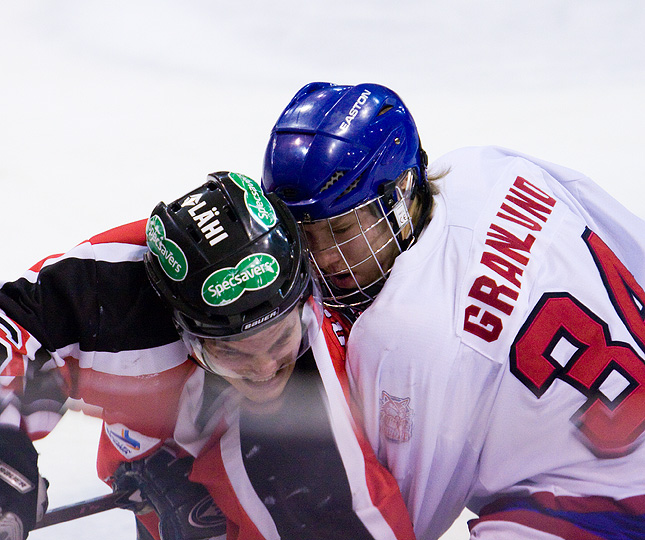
(118,499)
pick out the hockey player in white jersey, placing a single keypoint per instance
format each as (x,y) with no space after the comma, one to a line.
(220,274)
(499,350)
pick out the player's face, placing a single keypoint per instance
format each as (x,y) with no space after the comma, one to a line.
(260,365)
(354,248)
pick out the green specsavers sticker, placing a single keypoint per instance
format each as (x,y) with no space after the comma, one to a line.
(258,205)
(171,257)
(251,273)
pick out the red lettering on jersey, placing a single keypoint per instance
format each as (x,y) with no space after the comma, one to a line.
(514,216)
(528,197)
(626,294)
(488,328)
(502,267)
(523,204)
(487,291)
(509,244)
(563,339)
(562,323)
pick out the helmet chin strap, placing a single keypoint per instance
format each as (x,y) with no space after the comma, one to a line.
(359,298)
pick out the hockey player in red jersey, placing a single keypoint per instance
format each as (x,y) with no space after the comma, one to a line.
(265,424)
(499,351)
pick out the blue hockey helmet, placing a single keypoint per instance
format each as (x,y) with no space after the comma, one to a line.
(335,154)
(334,147)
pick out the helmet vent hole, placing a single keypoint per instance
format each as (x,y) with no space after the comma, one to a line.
(334,178)
(174,207)
(232,215)
(351,187)
(384,110)
(194,234)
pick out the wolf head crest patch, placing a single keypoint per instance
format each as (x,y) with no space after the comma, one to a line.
(395,418)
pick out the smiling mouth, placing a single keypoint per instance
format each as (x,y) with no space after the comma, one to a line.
(266,379)
(257,381)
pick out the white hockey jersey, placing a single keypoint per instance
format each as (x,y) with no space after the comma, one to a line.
(502,365)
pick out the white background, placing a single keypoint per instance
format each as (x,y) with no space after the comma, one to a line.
(108,107)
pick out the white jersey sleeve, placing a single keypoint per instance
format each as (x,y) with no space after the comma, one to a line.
(504,355)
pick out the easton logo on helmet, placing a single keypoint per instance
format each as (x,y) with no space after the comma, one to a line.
(257,204)
(171,257)
(353,112)
(252,273)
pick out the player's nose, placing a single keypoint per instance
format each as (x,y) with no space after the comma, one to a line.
(266,366)
(330,260)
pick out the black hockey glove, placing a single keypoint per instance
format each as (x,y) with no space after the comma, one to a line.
(23,492)
(186,510)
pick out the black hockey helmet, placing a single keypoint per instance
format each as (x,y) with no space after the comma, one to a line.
(229,260)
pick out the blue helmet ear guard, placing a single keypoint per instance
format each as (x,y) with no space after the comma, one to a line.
(334,146)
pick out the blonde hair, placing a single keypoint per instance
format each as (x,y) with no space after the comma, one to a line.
(433,176)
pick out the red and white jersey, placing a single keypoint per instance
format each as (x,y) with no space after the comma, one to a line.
(301,467)
(87,325)
(502,366)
